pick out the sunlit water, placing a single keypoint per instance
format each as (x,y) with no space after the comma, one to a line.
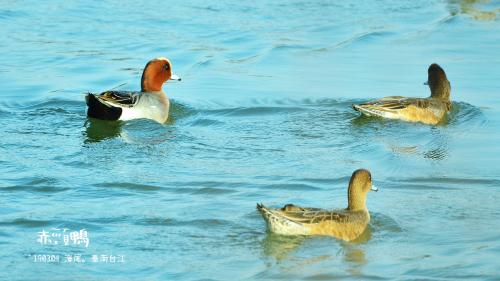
(262,115)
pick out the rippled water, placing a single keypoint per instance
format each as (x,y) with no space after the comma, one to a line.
(262,115)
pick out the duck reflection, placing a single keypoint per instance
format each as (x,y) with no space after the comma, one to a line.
(282,247)
(98,130)
(434,146)
(421,141)
(354,254)
(476,9)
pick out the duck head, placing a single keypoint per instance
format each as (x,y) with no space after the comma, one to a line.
(438,83)
(156,72)
(359,185)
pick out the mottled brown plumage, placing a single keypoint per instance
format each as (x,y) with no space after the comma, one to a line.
(346,224)
(429,110)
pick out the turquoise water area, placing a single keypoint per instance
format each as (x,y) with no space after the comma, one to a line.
(262,115)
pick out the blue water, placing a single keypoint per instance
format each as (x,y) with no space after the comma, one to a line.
(262,115)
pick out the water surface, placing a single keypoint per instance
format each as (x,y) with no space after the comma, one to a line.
(262,115)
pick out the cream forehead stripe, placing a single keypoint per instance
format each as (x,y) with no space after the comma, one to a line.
(161,58)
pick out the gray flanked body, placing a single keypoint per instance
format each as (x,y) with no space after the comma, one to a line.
(130,105)
(154,105)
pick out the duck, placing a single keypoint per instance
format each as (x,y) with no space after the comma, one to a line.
(345,224)
(430,110)
(150,103)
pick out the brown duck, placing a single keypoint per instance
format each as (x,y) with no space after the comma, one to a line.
(429,110)
(346,224)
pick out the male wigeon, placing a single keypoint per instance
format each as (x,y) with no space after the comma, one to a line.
(429,110)
(346,224)
(150,103)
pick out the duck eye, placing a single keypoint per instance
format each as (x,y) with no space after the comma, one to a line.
(166,67)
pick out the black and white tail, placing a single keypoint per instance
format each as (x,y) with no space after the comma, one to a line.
(99,110)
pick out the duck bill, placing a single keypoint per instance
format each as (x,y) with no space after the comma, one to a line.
(426,83)
(175,77)
(374,188)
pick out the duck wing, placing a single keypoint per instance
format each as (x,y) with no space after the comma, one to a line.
(119,98)
(390,107)
(314,215)
(388,104)
(305,215)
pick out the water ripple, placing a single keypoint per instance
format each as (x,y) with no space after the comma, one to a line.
(36,184)
(131,186)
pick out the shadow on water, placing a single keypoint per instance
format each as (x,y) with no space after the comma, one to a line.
(98,130)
